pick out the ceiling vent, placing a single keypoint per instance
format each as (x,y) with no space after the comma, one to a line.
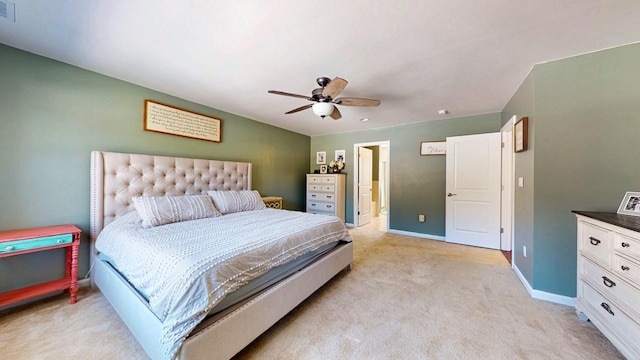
(7,11)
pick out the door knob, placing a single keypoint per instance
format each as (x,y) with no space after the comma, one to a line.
(450,194)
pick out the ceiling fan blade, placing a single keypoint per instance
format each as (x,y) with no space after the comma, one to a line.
(287,94)
(349,101)
(335,87)
(335,115)
(299,109)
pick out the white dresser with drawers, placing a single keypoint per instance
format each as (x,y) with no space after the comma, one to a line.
(326,193)
(608,291)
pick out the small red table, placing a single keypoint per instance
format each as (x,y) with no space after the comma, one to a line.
(18,242)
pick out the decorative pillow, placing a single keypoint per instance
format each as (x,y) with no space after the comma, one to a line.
(235,201)
(162,210)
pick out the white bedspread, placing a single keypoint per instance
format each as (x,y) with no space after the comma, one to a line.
(186,268)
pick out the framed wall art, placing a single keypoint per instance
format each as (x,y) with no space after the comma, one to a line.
(433,148)
(171,120)
(520,135)
(321,157)
(630,204)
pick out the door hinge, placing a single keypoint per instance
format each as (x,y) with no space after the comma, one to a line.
(501,230)
(358,212)
(502,187)
(501,145)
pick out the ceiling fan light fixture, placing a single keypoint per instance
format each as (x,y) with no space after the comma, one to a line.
(322,109)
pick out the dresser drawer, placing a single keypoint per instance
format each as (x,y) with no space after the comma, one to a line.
(320,206)
(321,197)
(30,244)
(626,268)
(609,284)
(616,319)
(318,187)
(628,246)
(595,242)
(322,179)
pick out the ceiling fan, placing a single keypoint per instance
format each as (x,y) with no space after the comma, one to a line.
(325,98)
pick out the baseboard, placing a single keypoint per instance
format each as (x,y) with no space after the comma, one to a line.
(419,235)
(543,295)
(86,282)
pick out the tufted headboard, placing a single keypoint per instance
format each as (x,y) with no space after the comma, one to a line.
(117,177)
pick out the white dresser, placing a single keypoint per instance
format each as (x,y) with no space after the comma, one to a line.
(325,194)
(608,290)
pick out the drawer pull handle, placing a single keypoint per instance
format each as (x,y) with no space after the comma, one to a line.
(329,196)
(624,244)
(9,248)
(624,268)
(59,241)
(313,195)
(606,307)
(594,241)
(608,282)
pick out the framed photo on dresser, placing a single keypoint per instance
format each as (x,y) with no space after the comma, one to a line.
(630,204)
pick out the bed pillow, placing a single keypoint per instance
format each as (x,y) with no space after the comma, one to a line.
(162,210)
(235,201)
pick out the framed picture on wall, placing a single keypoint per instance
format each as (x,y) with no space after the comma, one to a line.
(340,155)
(520,135)
(433,148)
(321,157)
(630,204)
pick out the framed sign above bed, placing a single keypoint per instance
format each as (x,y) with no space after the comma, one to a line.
(171,120)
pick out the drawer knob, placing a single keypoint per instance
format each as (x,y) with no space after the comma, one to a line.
(608,308)
(624,268)
(329,196)
(624,244)
(594,241)
(9,248)
(608,282)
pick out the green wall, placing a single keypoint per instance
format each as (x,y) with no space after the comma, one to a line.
(417,183)
(53,115)
(586,126)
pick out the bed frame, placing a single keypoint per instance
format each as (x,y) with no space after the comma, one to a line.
(116,178)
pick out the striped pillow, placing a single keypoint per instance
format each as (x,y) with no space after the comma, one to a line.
(162,210)
(235,201)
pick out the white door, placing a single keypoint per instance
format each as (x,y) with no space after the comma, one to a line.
(365,169)
(473,190)
(506,208)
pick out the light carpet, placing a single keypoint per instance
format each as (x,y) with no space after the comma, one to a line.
(406,298)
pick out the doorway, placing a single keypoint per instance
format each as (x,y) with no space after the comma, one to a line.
(379,187)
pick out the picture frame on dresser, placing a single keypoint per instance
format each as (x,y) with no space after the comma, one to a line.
(630,204)
(323,169)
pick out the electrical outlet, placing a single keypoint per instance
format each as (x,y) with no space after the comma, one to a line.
(524,251)
(421,218)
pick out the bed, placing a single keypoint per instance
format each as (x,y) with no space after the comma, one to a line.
(117,179)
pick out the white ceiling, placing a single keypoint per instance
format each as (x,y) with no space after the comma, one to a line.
(417,57)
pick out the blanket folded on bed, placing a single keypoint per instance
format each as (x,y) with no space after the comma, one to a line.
(184,269)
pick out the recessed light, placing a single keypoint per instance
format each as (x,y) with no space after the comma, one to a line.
(364,119)
(443,112)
